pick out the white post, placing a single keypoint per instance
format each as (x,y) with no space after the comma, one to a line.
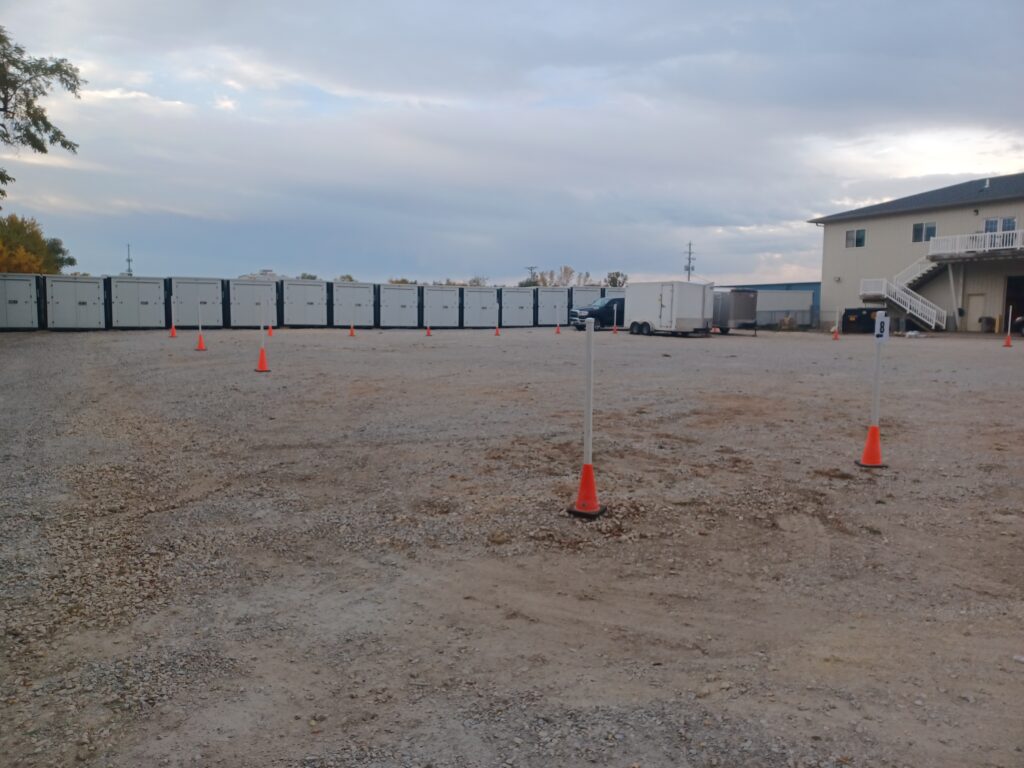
(1009,321)
(877,395)
(588,394)
(615,315)
(837,319)
(199,315)
(263,337)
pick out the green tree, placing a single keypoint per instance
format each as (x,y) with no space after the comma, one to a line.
(345,279)
(616,279)
(308,276)
(48,256)
(23,81)
(401,281)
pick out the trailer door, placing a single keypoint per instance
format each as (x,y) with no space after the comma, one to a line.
(665,307)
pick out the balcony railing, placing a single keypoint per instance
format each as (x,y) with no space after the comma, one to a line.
(980,242)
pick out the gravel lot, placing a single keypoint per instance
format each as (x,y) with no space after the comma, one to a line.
(363,558)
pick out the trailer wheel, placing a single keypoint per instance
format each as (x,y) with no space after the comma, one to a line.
(723,331)
(634,329)
(645,329)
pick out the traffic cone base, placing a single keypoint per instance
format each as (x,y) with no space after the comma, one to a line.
(558,330)
(586,505)
(201,345)
(615,330)
(497,331)
(261,366)
(270,330)
(1006,342)
(428,331)
(871,458)
(174,332)
(835,334)
(351,330)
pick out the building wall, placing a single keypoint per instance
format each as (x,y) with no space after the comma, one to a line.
(889,249)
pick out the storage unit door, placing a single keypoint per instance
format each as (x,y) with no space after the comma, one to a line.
(353,304)
(517,307)
(441,307)
(18,303)
(151,304)
(552,306)
(124,303)
(399,306)
(61,303)
(585,295)
(253,304)
(305,303)
(195,299)
(89,309)
(479,307)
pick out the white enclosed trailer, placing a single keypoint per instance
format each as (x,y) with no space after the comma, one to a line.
(552,306)
(304,302)
(252,303)
(353,305)
(399,306)
(441,306)
(19,301)
(615,293)
(137,302)
(584,295)
(480,307)
(517,307)
(193,298)
(75,302)
(669,307)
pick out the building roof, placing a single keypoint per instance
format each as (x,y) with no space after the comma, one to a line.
(990,190)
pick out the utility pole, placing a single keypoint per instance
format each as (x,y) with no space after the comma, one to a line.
(129,259)
(532,271)
(689,261)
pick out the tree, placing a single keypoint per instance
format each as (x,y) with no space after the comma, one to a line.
(23,81)
(401,281)
(616,279)
(308,276)
(57,257)
(564,276)
(346,279)
(17,259)
(26,249)
(477,281)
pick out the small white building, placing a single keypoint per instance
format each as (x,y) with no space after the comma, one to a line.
(951,258)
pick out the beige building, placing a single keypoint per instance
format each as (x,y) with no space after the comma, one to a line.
(943,259)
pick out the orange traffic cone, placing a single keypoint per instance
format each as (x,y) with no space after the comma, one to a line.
(1006,342)
(201,346)
(872,456)
(586,505)
(428,331)
(261,366)
(558,330)
(174,332)
(270,330)
(352,330)
(835,333)
(615,330)
(497,332)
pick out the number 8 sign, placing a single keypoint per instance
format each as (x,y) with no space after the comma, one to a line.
(881,327)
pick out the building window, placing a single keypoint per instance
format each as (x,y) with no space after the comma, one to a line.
(991,225)
(1009,223)
(923,232)
(855,238)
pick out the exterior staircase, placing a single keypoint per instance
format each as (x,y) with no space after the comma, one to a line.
(898,292)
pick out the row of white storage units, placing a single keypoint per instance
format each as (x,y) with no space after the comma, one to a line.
(77,302)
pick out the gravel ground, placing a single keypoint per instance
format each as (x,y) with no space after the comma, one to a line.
(363,557)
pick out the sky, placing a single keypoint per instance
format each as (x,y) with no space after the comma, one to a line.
(442,139)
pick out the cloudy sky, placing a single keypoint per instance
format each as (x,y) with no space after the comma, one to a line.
(439,139)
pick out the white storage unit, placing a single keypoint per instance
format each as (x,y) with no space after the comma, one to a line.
(669,307)
(305,302)
(585,295)
(75,302)
(552,306)
(615,293)
(399,306)
(252,303)
(441,306)
(353,304)
(193,298)
(517,306)
(19,301)
(480,307)
(137,302)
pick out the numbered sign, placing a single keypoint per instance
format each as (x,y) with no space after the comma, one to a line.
(881,327)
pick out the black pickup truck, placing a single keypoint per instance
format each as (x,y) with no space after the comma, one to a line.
(606,312)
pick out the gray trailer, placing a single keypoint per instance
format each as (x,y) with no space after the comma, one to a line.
(735,308)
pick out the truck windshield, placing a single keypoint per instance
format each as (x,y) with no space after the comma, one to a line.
(599,303)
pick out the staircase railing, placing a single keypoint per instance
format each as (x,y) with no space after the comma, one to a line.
(910,302)
(918,269)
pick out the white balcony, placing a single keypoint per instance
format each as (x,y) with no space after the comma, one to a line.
(978,243)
